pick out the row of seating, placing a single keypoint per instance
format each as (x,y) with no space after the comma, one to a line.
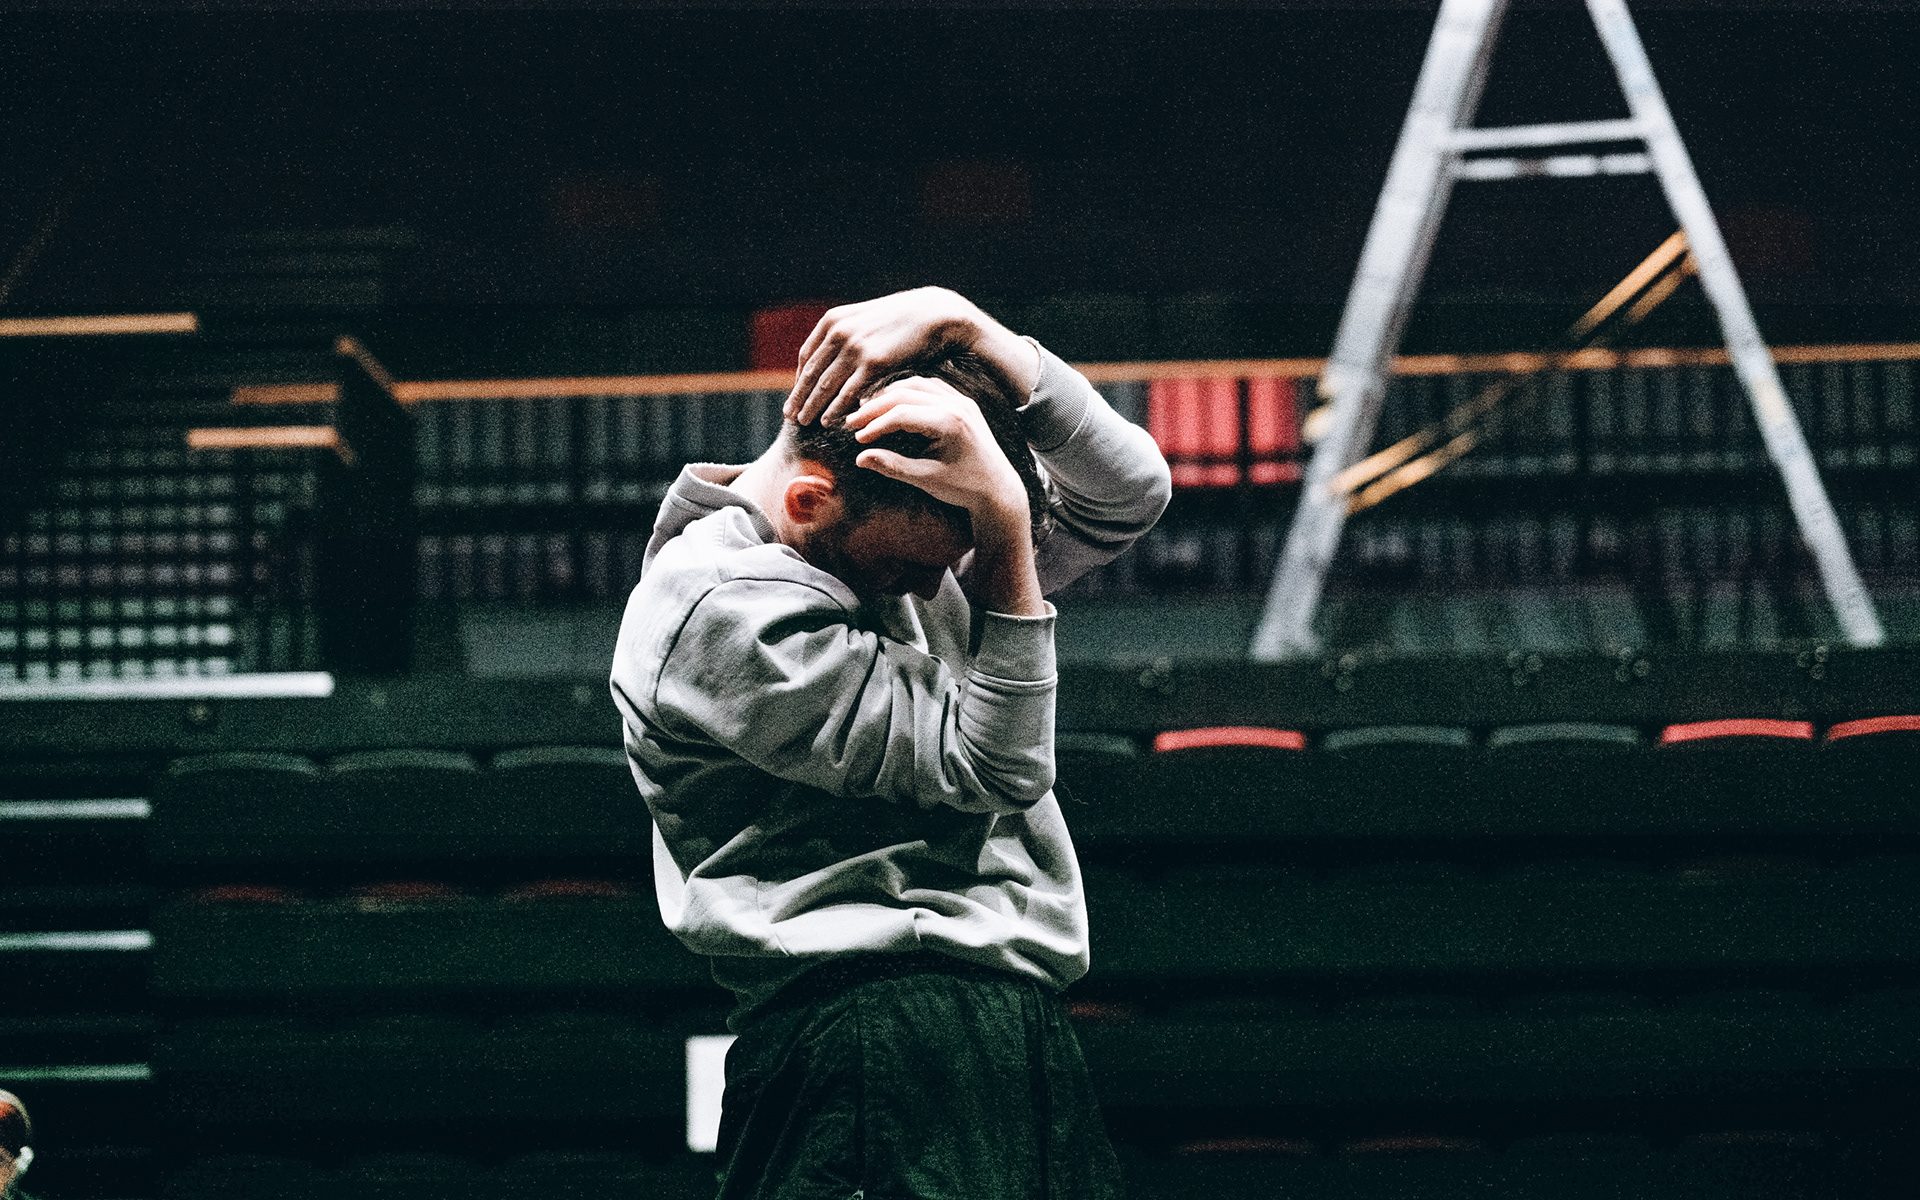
(1753,776)
(1555,1049)
(1748,1164)
(1227,922)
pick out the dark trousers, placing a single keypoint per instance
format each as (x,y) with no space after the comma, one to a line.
(912,1077)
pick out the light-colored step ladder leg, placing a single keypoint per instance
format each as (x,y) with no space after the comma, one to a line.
(1752,361)
(1399,242)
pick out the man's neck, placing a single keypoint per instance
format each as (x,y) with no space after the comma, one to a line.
(763,482)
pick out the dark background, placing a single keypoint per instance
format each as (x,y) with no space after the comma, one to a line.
(749,156)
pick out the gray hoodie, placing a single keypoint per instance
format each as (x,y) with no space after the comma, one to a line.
(830,776)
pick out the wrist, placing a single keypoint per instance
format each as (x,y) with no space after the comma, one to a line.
(1000,518)
(1012,357)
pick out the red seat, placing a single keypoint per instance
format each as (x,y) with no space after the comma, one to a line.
(1738,727)
(1173,741)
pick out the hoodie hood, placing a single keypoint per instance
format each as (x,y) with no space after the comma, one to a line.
(699,491)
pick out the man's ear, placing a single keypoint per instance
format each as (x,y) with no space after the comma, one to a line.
(812,500)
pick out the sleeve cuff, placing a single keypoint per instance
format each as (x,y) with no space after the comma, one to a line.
(1016,648)
(1058,404)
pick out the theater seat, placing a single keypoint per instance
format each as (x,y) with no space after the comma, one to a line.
(1099,782)
(1226,1167)
(566,801)
(1227,783)
(414,1176)
(408,805)
(1873,767)
(1566,777)
(1425,1164)
(1742,774)
(240,807)
(249,1177)
(1400,780)
(579,1175)
(1584,1165)
(1765,1164)
(568,889)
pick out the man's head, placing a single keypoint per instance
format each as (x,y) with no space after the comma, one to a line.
(883,536)
(16,1137)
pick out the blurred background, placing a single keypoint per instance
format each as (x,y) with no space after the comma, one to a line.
(346,355)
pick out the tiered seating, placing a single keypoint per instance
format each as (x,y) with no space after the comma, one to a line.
(75,1027)
(421,945)
(1451,941)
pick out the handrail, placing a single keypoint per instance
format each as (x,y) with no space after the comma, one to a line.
(118,323)
(272,437)
(1520,362)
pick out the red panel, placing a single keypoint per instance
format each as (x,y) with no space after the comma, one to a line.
(1273,420)
(245,893)
(1275,472)
(777,334)
(1700,731)
(1406,1143)
(1228,735)
(402,891)
(1196,423)
(1247,1145)
(1868,725)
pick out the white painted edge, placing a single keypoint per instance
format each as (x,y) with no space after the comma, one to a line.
(89,1073)
(104,939)
(706,1083)
(263,686)
(75,810)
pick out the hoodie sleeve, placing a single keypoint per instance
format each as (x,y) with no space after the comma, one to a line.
(774,671)
(1109,480)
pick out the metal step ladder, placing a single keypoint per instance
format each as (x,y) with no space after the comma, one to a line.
(1434,140)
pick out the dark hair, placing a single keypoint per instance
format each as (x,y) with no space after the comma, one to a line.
(835,448)
(16,1130)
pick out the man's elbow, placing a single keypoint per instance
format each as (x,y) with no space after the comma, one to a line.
(1007,792)
(1157,487)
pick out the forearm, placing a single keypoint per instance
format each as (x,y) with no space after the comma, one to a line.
(1013,357)
(1110,480)
(773,672)
(1108,471)
(1004,577)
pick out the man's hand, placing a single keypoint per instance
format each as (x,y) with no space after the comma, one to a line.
(964,466)
(855,344)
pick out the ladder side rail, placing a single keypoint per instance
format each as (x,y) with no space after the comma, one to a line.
(1753,362)
(1392,261)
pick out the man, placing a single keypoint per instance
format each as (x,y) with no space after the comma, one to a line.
(16,1149)
(836,679)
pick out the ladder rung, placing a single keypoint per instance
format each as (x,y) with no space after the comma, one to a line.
(1559,166)
(1566,133)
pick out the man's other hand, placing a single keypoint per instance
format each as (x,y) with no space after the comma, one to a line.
(855,344)
(964,465)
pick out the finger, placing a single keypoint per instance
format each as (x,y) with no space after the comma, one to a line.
(910,418)
(898,466)
(849,394)
(912,389)
(828,385)
(805,380)
(817,337)
(821,329)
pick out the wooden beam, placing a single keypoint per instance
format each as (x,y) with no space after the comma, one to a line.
(272,437)
(593,385)
(95,326)
(286,393)
(1518,362)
